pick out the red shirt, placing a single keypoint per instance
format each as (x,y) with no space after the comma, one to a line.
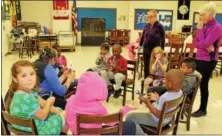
(121,64)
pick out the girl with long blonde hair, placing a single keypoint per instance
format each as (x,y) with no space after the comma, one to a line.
(158,67)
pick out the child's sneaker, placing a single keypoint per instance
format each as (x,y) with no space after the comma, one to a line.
(117,93)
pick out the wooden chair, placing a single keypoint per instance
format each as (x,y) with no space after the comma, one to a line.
(112,36)
(4,130)
(8,120)
(218,68)
(175,55)
(34,42)
(173,125)
(140,65)
(70,93)
(129,84)
(188,106)
(25,47)
(20,122)
(120,36)
(191,48)
(126,38)
(99,119)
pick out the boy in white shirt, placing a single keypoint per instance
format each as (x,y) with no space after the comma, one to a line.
(173,81)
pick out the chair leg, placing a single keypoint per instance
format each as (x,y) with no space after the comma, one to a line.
(175,130)
(124,95)
(107,99)
(133,93)
(142,88)
(188,119)
(182,114)
(141,69)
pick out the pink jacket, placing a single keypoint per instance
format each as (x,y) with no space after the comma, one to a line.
(91,91)
(132,47)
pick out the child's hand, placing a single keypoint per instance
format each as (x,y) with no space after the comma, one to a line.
(64,68)
(66,72)
(133,104)
(71,75)
(51,100)
(113,64)
(143,99)
(211,48)
(153,96)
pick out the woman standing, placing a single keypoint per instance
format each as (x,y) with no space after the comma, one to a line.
(207,41)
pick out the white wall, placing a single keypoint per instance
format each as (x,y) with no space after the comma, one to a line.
(121,7)
(170,5)
(6,28)
(41,11)
(37,11)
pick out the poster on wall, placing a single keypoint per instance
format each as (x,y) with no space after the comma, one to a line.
(165,17)
(13,13)
(6,10)
(18,10)
(60,9)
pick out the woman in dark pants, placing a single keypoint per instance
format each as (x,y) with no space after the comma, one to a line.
(207,40)
(153,35)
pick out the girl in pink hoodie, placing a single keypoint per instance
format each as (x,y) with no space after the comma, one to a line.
(91,92)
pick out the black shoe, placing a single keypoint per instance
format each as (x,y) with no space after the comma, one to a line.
(199,113)
(110,90)
(117,93)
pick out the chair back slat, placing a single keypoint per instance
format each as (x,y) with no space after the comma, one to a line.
(195,91)
(172,113)
(18,132)
(4,129)
(97,131)
(178,104)
(99,119)
(131,66)
(174,103)
(15,120)
(191,48)
(10,119)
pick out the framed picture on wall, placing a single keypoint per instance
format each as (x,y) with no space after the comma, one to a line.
(6,7)
(165,17)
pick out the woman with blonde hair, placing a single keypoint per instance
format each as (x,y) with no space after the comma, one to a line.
(158,67)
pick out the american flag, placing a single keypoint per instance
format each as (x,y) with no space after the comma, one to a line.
(74,18)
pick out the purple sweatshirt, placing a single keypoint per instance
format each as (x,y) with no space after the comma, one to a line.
(152,37)
(206,37)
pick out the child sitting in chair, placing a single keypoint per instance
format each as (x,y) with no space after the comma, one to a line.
(173,81)
(89,97)
(190,79)
(101,59)
(158,67)
(116,68)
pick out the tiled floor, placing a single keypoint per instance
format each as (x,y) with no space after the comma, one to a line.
(84,58)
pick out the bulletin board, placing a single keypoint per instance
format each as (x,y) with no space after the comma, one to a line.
(165,17)
(108,13)
(196,18)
